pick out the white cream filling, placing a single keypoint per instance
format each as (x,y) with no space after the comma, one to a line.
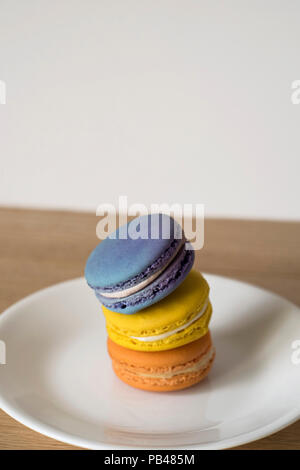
(176,330)
(195,368)
(132,290)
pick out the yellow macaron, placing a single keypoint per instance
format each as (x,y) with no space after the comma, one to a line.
(178,319)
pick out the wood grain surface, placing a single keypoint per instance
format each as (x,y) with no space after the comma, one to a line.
(40,248)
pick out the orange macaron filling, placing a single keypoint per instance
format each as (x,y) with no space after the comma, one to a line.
(169,370)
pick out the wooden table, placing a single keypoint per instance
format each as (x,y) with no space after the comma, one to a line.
(40,248)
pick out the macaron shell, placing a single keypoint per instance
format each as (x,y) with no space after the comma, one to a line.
(169,385)
(170,313)
(193,332)
(159,360)
(142,370)
(161,287)
(114,262)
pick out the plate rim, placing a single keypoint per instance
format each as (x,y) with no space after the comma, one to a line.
(57,434)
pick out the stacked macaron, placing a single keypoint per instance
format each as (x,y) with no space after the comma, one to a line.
(156,307)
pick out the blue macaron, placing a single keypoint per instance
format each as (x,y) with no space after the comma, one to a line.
(139,264)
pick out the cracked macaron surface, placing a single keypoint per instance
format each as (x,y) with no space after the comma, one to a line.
(169,370)
(180,318)
(129,274)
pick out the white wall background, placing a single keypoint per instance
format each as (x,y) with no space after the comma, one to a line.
(164,101)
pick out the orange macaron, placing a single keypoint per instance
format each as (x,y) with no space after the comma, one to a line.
(163,371)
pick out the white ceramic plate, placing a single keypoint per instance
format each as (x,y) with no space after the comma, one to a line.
(58,378)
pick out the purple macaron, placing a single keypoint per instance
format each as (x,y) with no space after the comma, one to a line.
(139,264)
